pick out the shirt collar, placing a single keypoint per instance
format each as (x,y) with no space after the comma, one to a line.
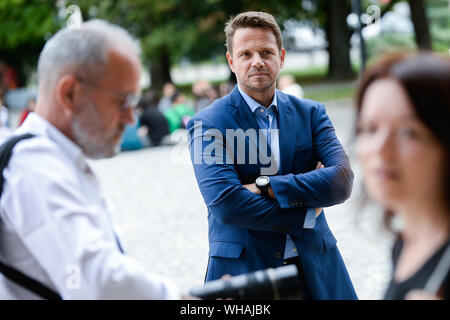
(39,126)
(253,104)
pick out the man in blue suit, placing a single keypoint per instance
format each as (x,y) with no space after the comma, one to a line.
(266,163)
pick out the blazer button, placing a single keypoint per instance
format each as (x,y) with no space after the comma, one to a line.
(278,254)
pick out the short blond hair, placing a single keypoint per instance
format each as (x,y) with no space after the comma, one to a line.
(251,19)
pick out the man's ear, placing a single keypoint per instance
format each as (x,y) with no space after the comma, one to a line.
(282,56)
(230,61)
(66,88)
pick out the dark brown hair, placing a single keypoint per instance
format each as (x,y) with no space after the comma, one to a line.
(425,78)
(251,19)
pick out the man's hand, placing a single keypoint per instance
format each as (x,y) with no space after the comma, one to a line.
(319,166)
(253,188)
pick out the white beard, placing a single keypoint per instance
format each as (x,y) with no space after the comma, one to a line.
(89,135)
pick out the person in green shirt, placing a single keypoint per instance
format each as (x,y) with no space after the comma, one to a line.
(179,114)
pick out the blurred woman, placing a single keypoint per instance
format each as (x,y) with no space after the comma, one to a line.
(403,131)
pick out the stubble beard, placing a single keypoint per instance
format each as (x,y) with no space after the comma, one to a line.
(253,86)
(89,134)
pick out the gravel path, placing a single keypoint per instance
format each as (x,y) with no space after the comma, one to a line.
(157,205)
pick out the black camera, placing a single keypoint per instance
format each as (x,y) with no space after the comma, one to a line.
(271,284)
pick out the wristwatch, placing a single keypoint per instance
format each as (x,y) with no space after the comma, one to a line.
(263,182)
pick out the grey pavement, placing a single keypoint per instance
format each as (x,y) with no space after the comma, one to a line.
(162,219)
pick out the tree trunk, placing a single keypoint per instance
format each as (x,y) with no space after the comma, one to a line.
(420,22)
(160,70)
(338,37)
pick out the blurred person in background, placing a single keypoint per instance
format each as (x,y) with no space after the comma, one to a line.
(165,102)
(56,231)
(4,115)
(152,121)
(287,84)
(204,94)
(403,144)
(31,105)
(180,112)
(225,88)
(5,131)
(132,137)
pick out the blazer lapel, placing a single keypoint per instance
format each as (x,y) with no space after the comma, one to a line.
(287,126)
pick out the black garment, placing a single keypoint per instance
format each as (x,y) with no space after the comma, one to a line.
(305,293)
(156,123)
(398,291)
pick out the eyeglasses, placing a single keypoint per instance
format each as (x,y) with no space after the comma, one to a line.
(130,100)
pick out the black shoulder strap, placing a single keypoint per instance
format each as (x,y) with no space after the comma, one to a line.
(440,272)
(5,154)
(9,272)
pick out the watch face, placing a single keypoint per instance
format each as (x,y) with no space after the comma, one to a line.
(262,181)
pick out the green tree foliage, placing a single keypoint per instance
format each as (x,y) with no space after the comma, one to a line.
(24,22)
(172,29)
(24,26)
(168,29)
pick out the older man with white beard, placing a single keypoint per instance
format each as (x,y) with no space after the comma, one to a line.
(55,229)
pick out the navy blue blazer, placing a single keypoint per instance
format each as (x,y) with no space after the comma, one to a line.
(247,232)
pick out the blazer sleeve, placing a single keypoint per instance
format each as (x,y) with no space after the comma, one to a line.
(318,188)
(227,200)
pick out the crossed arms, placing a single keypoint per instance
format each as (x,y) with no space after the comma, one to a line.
(232,203)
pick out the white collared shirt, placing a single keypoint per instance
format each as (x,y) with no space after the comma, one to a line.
(55,226)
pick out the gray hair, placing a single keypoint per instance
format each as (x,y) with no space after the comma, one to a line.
(83,50)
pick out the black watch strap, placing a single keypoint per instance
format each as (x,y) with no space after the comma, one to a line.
(264,191)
